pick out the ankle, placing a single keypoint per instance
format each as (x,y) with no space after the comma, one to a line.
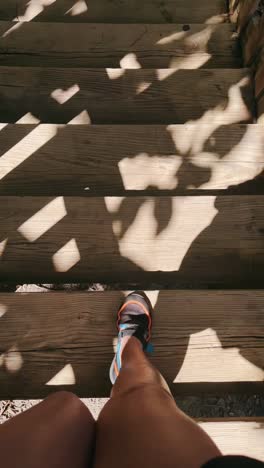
(132,349)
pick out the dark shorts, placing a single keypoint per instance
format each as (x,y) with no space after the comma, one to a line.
(233,462)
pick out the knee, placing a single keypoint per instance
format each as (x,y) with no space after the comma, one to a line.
(70,405)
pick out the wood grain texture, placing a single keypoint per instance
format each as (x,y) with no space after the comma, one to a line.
(59,95)
(113,45)
(238,437)
(118,159)
(192,241)
(117,11)
(200,338)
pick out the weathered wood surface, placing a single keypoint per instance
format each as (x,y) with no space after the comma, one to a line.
(206,339)
(113,45)
(117,159)
(192,241)
(109,11)
(61,95)
(238,437)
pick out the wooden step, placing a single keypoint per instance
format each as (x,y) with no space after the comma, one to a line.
(203,341)
(119,45)
(47,159)
(238,436)
(116,11)
(62,95)
(182,241)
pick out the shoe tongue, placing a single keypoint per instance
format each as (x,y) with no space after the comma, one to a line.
(128,315)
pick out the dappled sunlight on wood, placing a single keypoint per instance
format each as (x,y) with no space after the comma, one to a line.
(43,220)
(27,146)
(2,247)
(143,86)
(78,8)
(64,377)
(197,143)
(35,8)
(115,73)
(209,356)
(81,119)
(66,257)
(28,119)
(3,309)
(171,38)
(12,360)
(164,250)
(113,204)
(190,62)
(216,19)
(144,171)
(62,96)
(130,61)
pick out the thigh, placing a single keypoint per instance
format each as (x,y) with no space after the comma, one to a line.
(57,433)
(144,427)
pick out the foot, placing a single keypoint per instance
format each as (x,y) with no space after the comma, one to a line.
(134,318)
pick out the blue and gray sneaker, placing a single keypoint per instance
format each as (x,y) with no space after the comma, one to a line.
(134,318)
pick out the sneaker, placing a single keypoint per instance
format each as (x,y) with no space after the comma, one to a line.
(134,318)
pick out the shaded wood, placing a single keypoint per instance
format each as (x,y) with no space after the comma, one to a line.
(59,95)
(119,159)
(206,337)
(238,437)
(108,11)
(111,45)
(190,241)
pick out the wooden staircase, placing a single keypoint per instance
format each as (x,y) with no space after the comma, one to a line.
(130,157)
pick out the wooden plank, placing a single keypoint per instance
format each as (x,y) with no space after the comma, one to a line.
(217,337)
(238,437)
(124,11)
(61,95)
(117,159)
(123,45)
(191,241)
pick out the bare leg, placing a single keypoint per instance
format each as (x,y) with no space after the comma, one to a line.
(57,433)
(141,425)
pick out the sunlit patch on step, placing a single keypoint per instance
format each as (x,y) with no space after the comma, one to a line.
(113,203)
(2,247)
(143,86)
(130,61)
(3,309)
(216,19)
(65,376)
(43,220)
(171,38)
(2,126)
(199,40)
(117,228)
(78,8)
(81,119)
(9,31)
(164,73)
(28,119)
(190,62)
(145,171)
(162,230)
(11,360)
(205,356)
(66,257)
(115,73)
(34,8)
(25,148)
(62,96)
